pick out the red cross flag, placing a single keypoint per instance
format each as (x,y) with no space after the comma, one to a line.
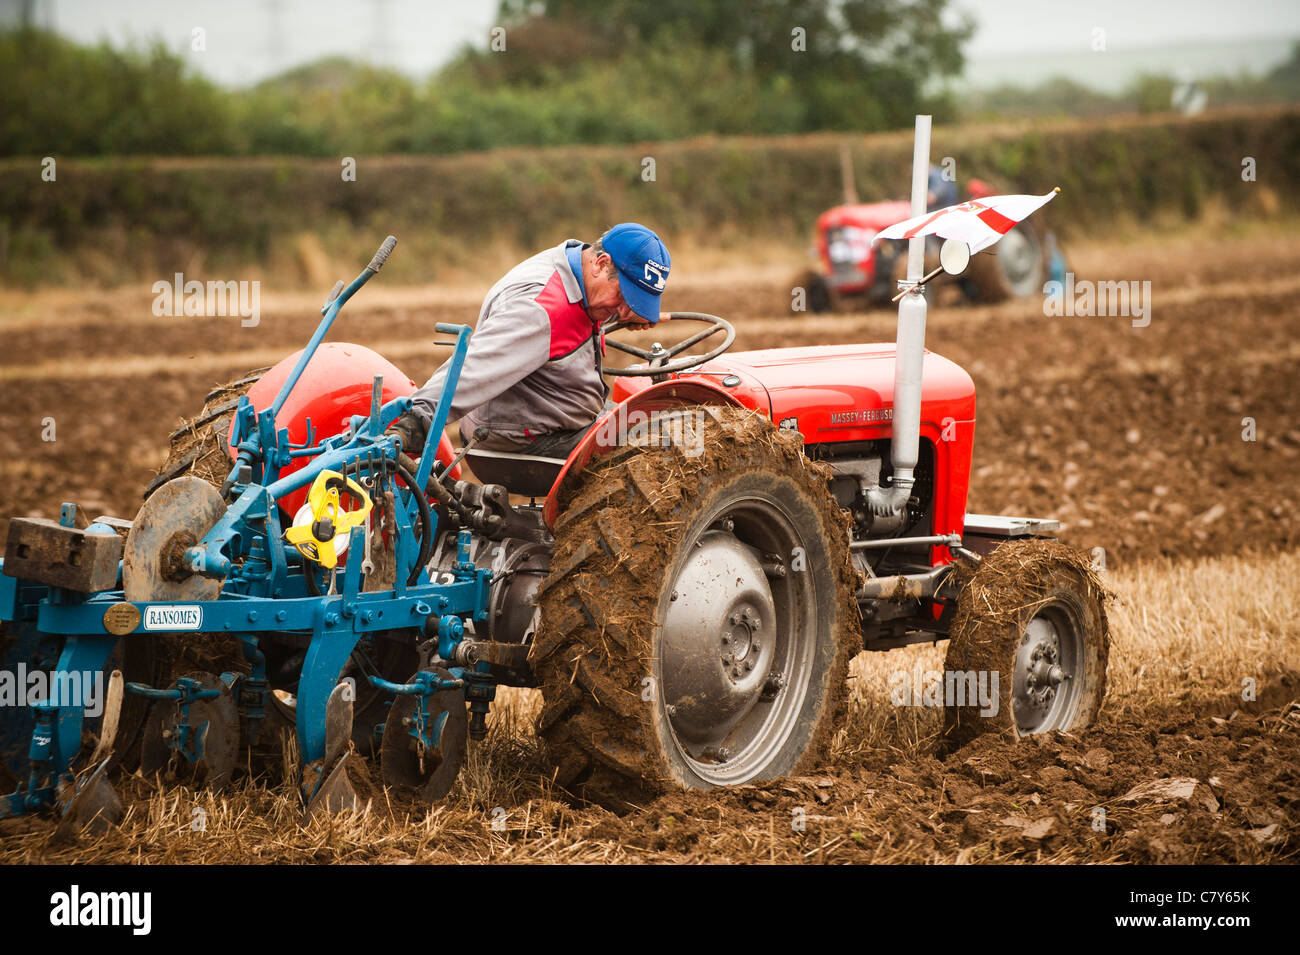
(979,223)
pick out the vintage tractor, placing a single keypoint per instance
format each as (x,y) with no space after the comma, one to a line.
(687,588)
(853,265)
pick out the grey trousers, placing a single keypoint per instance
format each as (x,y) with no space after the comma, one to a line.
(557,444)
(554,444)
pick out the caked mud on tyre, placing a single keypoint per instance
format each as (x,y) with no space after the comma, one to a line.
(699,618)
(1033,613)
(200,445)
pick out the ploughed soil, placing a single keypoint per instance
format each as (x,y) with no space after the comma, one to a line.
(1177,788)
(1214,784)
(1134,437)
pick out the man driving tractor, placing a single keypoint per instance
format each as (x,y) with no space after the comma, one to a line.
(532,375)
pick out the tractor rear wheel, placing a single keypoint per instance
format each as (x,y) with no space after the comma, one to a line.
(1014,268)
(1034,615)
(699,618)
(818,296)
(200,446)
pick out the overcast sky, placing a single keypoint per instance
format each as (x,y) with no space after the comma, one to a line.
(248,40)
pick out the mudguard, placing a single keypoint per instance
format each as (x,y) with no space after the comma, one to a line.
(601,440)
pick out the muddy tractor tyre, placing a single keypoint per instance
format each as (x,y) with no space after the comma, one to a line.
(1016,267)
(699,617)
(1033,614)
(818,296)
(200,446)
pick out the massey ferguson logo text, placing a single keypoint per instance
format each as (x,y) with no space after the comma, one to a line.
(165,617)
(862,417)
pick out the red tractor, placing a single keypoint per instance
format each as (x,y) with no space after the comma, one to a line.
(687,588)
(855,265)
(701,611)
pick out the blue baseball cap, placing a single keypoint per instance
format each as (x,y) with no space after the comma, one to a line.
(642,261)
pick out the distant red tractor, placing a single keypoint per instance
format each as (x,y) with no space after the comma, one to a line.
(854,264)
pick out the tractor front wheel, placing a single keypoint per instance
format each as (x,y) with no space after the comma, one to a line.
(699,618)
(1032,618)
(1016,267)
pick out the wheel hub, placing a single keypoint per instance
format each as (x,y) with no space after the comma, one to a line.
(1019,255)
(717,656)
(1043,674)
(1043,692)
(740,638)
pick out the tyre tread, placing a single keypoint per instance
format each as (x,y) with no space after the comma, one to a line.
(594,641)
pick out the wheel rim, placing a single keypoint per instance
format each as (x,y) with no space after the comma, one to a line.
(1048,678)
(738,646)
(1021,261)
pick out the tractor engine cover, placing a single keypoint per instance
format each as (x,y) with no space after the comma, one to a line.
(840,394)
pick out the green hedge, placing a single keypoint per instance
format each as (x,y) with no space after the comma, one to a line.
(120,220)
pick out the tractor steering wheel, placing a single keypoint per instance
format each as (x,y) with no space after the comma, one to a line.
(658,359)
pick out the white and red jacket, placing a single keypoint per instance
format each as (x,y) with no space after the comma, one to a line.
(534,360)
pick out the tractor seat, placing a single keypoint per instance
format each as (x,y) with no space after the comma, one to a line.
(525,474)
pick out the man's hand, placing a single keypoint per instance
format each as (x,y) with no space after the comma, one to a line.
(411,429)
(639,324)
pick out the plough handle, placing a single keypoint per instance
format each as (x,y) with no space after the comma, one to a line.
(381,256)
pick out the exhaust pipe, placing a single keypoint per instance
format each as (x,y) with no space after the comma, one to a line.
(887,503)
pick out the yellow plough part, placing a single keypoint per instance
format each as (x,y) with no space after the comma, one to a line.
(315,541)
